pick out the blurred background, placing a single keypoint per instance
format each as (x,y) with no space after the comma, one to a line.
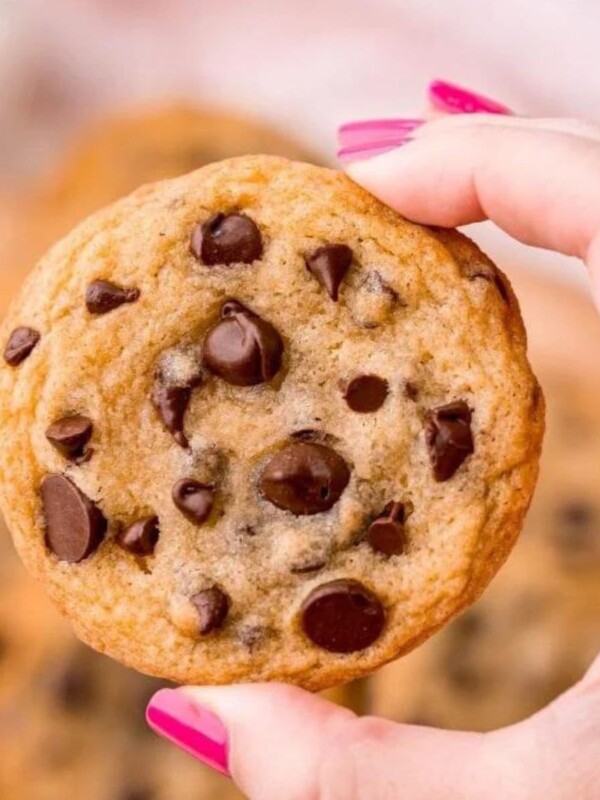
(102,96)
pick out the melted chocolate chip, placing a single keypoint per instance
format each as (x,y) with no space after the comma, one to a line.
(386,534)
(304,478)
(375,283)
(449,438)
(75,526)
(314,435)
(307,435)
(242,348)
(366,393)
(487,272)
(70,435)
(342,616)
(193,499)
(329,264)
(305,569)
(212,606)
(171,403)
(252,635)
(411,390)
(226,239)
(20,344)
(104,296)
(141,537)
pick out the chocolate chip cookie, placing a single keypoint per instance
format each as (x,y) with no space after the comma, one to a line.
(296,436)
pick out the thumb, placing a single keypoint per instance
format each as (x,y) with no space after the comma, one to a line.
(278,742)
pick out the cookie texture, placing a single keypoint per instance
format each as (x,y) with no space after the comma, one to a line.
(219,405)
(536,630)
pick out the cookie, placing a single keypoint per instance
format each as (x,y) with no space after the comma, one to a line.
(271,510)
(536,630)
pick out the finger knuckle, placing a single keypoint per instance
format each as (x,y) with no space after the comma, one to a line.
(346,770)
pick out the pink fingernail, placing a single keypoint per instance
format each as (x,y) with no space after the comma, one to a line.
(362,132)
(454,99)
(362,152)
(190,726)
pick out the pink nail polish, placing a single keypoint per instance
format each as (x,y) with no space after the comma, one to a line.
(363,152)
(453,99)
(362,132)
(190,726)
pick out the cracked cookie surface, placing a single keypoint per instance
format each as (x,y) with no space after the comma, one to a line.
(292,436)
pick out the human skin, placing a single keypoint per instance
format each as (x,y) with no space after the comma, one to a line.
(539,180)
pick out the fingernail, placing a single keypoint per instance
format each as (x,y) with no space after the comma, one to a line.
(190,726)
(363,152)
(361,132)
(454,99)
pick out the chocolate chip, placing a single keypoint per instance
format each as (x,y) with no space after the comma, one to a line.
(329,264)
(464,674)
(375,283)
(242,348)
(576,536)
(366,393)
(193,499)
(304,478)
(226,239)
(342,616)
(137,794)
(305,569)
(212,606)
(386,533)
(411,391)
(307,435)
(104,296)
(468,626)
(251,635)
(577,514)
(70,435)
(71,686)
(141,537)
(20,344)
(75,526)
(487,272)
(314,435)
(171,403)
(449,438)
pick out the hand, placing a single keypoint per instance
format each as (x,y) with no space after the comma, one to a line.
(540,181)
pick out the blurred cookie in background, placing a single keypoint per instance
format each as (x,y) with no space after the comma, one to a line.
(536,629)
(120,153)
(72,721)
(112,158)
(15,246)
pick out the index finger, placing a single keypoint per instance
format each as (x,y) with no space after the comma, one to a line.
(542,186)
